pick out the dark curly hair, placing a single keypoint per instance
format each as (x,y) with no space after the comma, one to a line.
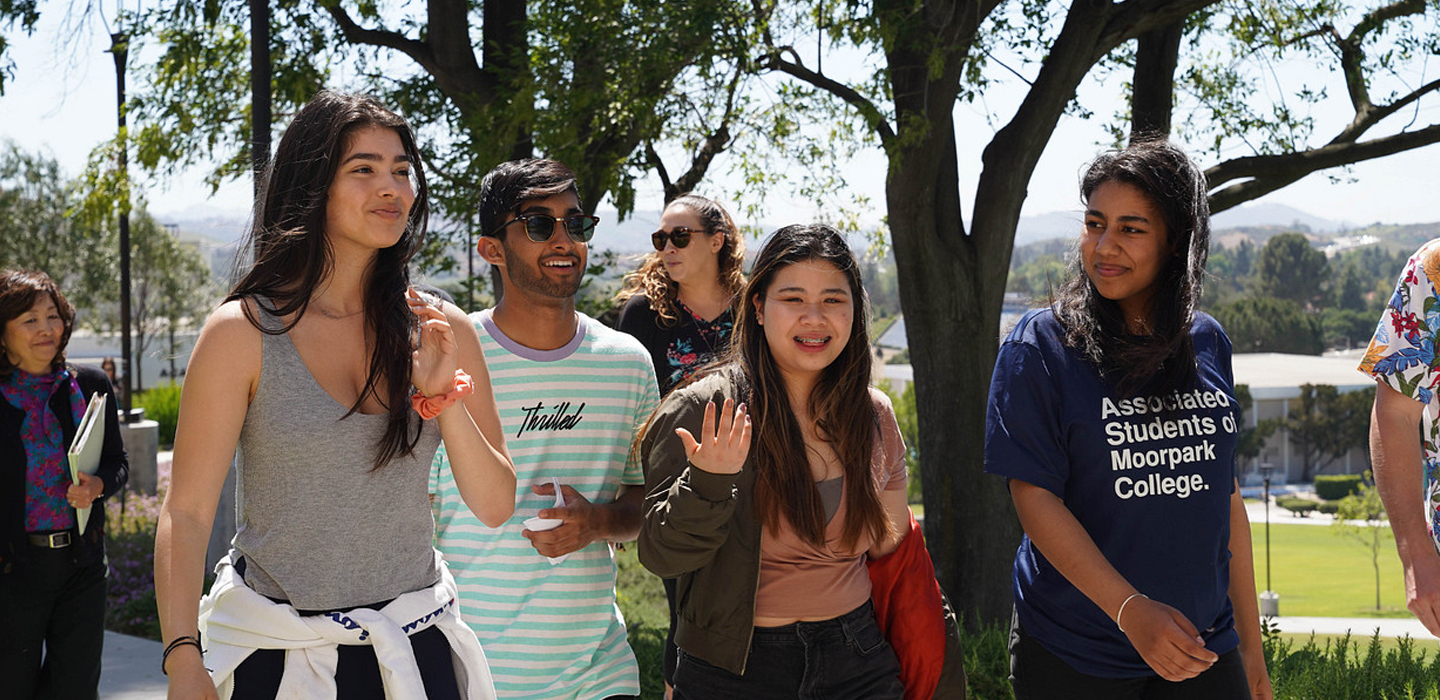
(654,282)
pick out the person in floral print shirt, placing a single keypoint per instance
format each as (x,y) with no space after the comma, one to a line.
(680,303)
(1404,429)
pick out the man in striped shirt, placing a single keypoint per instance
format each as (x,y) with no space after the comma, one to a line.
(571,395)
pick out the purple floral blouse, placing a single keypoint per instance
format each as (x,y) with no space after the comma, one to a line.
(47,473)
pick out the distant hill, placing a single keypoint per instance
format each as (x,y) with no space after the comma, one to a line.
(228,227)
(219,225)
(1399,237)
(1275,215)
(1258,221)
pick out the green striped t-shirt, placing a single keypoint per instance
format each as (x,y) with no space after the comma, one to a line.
(551,631)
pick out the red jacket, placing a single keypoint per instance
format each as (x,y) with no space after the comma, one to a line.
(911,611)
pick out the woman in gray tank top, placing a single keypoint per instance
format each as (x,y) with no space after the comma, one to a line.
(331,384)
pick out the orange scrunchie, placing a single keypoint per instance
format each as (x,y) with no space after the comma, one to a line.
(430,406)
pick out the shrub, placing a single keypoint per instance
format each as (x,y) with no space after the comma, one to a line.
(1298,506)
(1346,670)
(130,549)
(1342,669)
(1337,486)
(162,405)
(1328,507)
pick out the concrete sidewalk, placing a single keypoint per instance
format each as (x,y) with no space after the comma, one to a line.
(1358,627)
(131,669)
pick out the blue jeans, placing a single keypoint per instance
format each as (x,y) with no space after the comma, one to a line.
(838,659)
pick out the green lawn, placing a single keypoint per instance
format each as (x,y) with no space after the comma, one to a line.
(641,598)
(1321,574)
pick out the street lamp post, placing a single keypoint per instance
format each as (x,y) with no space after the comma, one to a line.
(119,48)
(1269,600)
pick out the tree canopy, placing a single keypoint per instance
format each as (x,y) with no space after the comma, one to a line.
(1292,269)
(65,226)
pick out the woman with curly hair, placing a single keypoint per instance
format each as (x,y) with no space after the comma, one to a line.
(680,306)
(680,303)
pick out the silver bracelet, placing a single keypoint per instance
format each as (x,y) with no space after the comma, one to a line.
(1133,596)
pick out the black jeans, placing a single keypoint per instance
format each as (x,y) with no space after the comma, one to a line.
(58,605)
(1037,674)
(357,673)
(672,652)
(843,658)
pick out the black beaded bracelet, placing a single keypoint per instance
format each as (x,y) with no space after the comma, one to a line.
(185,641)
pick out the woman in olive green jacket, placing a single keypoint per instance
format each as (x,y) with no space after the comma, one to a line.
(769,541)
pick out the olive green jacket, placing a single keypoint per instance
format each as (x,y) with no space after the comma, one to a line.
(702,530)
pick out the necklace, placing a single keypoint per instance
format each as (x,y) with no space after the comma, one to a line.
(708,332)
(334,316)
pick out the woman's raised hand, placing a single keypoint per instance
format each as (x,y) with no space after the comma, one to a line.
(433,363)
(721,448)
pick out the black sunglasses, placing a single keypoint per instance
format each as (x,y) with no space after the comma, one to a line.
(680,236)
(539,227)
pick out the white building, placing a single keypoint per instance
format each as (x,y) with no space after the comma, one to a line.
(1274,380)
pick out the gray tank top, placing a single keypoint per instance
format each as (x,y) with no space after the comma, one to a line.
(316,525)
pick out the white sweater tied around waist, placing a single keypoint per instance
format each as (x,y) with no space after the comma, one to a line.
(235,621)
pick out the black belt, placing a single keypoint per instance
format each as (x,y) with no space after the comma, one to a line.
(51,540)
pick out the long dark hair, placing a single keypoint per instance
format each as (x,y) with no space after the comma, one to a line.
(292,255)
(654,282)
(840,401)
(19,291)
(1095,325)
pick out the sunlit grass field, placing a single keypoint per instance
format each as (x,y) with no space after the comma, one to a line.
(1318,573)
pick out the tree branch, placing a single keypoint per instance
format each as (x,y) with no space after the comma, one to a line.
(871,113)
(715,142)
(659,165)
(418,51)
(1272,172)
(1380,15)
(1133,18)
(1375,115)
(1352,55)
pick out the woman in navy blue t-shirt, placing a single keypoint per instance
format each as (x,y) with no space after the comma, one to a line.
(1113,416)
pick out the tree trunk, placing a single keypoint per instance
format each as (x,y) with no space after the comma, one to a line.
(260,110)
(1152,101)
(952,309)
(952,320)
(507,56)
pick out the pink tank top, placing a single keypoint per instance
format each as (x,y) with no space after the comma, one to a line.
(801,581)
